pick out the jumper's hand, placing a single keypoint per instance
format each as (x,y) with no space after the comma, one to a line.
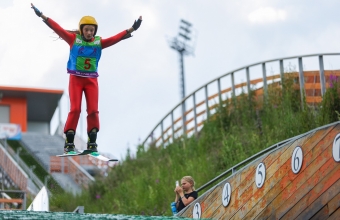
(37,12)
(137,23)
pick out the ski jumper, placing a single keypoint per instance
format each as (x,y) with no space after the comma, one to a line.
(83,69)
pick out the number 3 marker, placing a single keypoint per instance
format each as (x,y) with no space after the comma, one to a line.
(196,212)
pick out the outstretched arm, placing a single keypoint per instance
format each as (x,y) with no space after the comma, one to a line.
(65,35)
(122,35)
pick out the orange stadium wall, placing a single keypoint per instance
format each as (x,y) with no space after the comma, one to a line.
(17,111)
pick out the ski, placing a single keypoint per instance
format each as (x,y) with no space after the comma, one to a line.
(96,155)
(75,153)
(101,157)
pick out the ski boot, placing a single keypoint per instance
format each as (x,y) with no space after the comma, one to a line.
(91,144)
(69,147)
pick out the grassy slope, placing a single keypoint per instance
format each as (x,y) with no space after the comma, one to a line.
(144,185)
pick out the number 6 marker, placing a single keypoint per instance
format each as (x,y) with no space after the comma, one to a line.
(297,159)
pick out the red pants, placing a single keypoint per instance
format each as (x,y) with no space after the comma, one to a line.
(78,85)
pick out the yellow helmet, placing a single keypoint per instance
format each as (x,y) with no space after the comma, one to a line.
(88,20)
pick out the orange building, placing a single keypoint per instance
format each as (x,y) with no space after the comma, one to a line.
(31,108)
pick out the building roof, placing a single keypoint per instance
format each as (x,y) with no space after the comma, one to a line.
(41,103)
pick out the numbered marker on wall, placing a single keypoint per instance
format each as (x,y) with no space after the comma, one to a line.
(336,148)
(260,175)
(196,212)
(297,159)
(226,194)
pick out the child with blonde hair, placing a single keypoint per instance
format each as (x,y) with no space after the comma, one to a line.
(185,193)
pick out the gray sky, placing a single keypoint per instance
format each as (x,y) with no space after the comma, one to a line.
(139,77)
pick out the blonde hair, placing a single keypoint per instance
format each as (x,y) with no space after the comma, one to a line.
(190,180)
(74,31)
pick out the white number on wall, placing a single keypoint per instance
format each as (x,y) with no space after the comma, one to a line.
(297,159)
(226,194)
(260,175)
(196,212)
(336,148)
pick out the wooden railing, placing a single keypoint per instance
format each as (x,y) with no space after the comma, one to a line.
(36,182)
(12,169)
(8,203)
(278,182)
(189,115)
(69,166)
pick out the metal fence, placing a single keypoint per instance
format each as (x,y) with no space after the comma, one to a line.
(188,117)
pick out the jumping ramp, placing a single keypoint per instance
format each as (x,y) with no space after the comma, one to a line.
(300,179)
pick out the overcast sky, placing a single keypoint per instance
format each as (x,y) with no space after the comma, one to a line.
(139,77)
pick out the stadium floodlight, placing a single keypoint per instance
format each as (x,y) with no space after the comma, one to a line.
(181,44)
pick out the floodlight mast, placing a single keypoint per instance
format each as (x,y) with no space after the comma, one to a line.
(180,44)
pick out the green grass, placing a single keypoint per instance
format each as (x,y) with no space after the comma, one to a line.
(144,184)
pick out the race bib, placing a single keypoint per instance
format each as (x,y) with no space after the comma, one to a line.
(86,63)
